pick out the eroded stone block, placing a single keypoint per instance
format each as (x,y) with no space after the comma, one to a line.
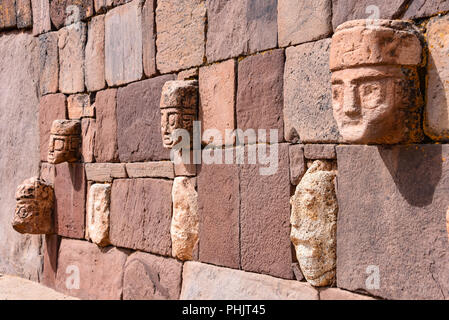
(88,131)
(34,207)
(426,8)
(184,228)
(95,74)
(97,219)
(158,169)
(41,16)
(297,163)
(384,105)
(319,151)
(149,38)
(106,149)
(105,172)
(78,106)
(49,63)
(314,224)
(65,12)
(24,14)
(8,14)
(65,141)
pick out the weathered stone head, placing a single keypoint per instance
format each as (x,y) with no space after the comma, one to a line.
(375,87)
(179,103)
(65,138)
(34,207)
(314,223)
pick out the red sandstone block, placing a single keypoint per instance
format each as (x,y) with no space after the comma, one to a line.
(105,149)
(24,14)
(50,252)
(149,38)
(7,14)
(141,211)
(64,12)
(297,163)
(425,8)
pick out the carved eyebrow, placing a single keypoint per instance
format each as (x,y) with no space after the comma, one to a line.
(337,81)
(370,78)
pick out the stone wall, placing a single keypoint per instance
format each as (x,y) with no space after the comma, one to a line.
(334,220)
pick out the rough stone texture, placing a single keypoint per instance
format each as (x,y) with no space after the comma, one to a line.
(34,207)
(307,94)
(338,294)
(150,277)
(139,121)
(437,109)
(345,10)
(146,225)
(264,217)
(24,14)
(297,271)
(19,143)
(204,282)
(425,8)
(219,225)
(49,63)
(47,173)
(297,163)
(123,44)
(51,107)
(260,93)
(400,228)
(95,71)
(314,223)
(65,141)
(41,16)
(88,130)
(105,172)
(71,43)
(65,12)
(302,21)
(106,149)
(160,169)
(8,14)
(97,214)
(251,26)
(50,252)
(180,34)
(184,228)
(100,270)
(217,98)
(320,151)
(70,200)
(102,5)
(190,74)
(78,106)
(149,38)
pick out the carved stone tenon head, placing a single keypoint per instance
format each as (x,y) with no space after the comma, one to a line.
(65,141)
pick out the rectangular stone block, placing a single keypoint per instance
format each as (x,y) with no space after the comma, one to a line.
(205,282)
(70,200)
(105,172)
(260,94)
(436,124)
(391,231)
(217,99)
(139,121)
(51,107)
(319,151)
(219,224)
(8,14)
(338,294)
(148,207)
(297,163)
(88,130)
(307,94)
(251,26)
(47,173)
(50,252)
(71,43)
(41,16)
(150,277)
(95,70)
(425,8)
(65,12)
(149,38)
(123,44)
(99,270)
(302,21)
(159,169)
(24,14)
(48,63)
(180,34)
(78,106)
(106,149)
(265,217)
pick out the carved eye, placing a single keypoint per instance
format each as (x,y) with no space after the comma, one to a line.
(337,95)
(371,94)
(172,119)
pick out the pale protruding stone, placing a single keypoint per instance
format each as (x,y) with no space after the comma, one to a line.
(79,106)
(158,169)
(437,109)
(204,282)
(105,172)
(185,221)
(314,224)
(123,44)
(72,41)
(95,78)
(34,207)
(41,16)
(65,141)
(180,34)
(97,220)
(49,63)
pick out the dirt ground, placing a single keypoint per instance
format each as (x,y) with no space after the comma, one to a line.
(15,288)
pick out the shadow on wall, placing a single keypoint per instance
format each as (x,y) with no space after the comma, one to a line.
(415,170)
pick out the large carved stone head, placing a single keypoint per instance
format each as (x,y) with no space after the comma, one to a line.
(179,103)
(34,207)
(65,138)
(375,85)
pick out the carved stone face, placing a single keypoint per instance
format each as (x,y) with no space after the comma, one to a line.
(172,119)
(34,206)
(64,141)
(368,104)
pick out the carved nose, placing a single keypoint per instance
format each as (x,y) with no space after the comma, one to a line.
(351,104)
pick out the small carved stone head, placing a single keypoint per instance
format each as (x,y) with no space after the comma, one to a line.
(179,103)
(65,141)
(34,207)
(375,86)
